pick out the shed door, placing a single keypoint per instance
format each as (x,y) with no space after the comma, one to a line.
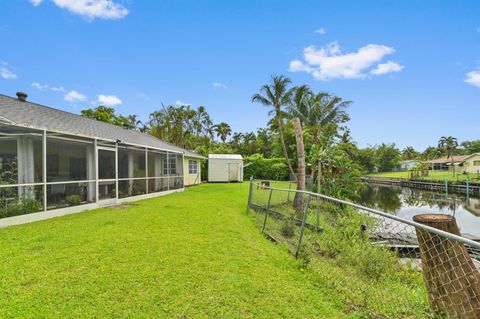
(232,172)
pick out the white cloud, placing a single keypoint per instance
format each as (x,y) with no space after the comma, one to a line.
(7,74)
(39,86)
(219,85)
(90,9)
(473,78)
(384,68)
(321,31)
(74,96)
(108,100)
(36,2)
(181,103)
(329,62)
(58,89)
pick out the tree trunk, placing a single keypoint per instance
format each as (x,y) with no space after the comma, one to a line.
(452,280)
(299,197)
(282,141)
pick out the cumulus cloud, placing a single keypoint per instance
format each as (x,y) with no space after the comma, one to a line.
(39,86)
(74,96)
(320,31)
(108,100)
(384,68)
(473,78)
(90,9)
(218,85)
(329,62)
(36,2)
(181,103)
(7,74)
(44,87)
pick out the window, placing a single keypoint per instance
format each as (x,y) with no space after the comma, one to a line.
(192,167)
(172,162)
(476,163)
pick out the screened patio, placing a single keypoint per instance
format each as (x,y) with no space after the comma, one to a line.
(54,163)
(43,171)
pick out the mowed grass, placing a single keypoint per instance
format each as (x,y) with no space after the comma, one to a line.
(195,254)
(432,176)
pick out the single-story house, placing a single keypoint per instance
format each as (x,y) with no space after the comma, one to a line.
(225,168)
(54,162)
(471,163)
(444,163)
(408,165)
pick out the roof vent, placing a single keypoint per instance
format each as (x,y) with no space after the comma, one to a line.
(22,96)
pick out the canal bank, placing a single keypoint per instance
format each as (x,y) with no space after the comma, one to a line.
(464,188)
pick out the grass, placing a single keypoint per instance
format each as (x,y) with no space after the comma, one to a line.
(432,176)
(195,254)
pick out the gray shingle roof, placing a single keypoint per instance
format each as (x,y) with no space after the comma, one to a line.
(32,115)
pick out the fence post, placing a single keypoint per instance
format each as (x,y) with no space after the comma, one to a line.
(446,188)
(304,220)
(288,195)
(266,210)
(451,278)
(317,222)
(250,192)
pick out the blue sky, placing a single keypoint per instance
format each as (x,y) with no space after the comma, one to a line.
(410,67)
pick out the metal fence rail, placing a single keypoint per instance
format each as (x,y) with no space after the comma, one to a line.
(307,221)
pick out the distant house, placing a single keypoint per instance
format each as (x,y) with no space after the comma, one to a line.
(462,163)
(444,163)
(472,163)
(408,165)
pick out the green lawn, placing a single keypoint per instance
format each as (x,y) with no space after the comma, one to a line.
(432,176)
(195,254)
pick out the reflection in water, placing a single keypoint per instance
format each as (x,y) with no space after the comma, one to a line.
(407,202)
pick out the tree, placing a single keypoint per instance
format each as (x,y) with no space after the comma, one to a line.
(317,111)
(277,95)
(298,201)
(449,144)
(223,131)
(387,157)
(108,115)
(409,153)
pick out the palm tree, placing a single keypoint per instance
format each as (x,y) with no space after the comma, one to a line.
(449,144)
(298,201)
(409,153)
(223,131)
(316,111)
(277,95)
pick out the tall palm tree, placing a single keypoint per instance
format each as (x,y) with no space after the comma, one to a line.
(409,153)
(449,144)
(316,111)
(223,131)
(298,201)
(277,95)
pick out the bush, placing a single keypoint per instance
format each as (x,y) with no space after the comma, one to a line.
(73,200)
(265,168)
(19,207)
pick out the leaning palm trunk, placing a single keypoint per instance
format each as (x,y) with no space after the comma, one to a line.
(298,202)
(282,141)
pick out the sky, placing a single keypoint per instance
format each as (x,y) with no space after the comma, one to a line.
(411,68)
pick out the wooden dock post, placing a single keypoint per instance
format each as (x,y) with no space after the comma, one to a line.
(451,278)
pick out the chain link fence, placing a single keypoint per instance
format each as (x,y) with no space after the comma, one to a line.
(312,225)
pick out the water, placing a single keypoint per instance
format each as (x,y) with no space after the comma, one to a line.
(406,202)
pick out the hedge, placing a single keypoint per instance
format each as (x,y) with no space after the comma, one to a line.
(265,168)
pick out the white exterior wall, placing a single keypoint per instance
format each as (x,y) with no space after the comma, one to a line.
(218,169)
(469,165)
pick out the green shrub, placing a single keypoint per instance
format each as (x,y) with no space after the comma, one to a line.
(265,168)
(73,200)
(19,207)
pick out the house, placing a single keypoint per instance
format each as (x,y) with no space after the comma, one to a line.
(192,168)
(408,165)
(54,162)
(472,163)
(444,163)
(225,168)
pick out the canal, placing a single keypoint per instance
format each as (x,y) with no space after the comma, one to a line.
(406,202)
